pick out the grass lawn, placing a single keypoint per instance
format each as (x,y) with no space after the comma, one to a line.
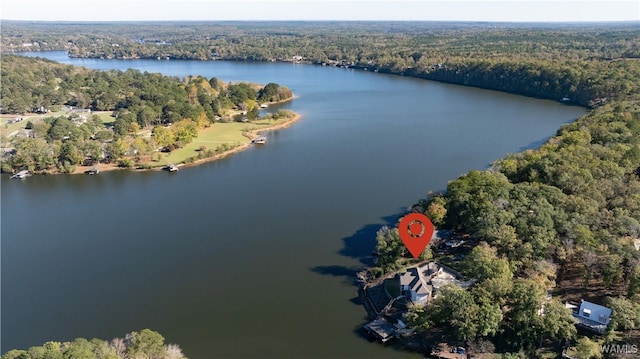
(214,136)
(105,116)
(7,129)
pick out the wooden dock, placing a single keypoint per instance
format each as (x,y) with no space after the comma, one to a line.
(381,329)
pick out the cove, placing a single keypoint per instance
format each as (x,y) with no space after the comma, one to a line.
(253,255)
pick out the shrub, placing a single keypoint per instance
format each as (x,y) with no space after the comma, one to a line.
(125,163)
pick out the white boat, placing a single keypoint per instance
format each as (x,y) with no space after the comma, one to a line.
(21,175)
(260,140)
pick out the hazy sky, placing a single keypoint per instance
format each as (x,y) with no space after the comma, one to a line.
(474,10)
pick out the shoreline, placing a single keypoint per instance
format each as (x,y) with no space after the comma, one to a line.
(340,64)
(251,135)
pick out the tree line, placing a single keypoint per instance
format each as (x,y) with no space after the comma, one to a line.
(583,63)
(143,344)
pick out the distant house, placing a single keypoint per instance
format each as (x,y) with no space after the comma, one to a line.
(420,284)
(591,316)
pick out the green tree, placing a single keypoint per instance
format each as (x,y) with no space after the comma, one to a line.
(483,263)
(588,349)
(163,136)
(437,210)
(456,308)
(389,248)
(117,149)
(557,321)
(79,349)
(185,131)
(104,136)
(523,322)
(33,154)
(16,354)
(625,314)
(269,93)
(70,154)
(145,343)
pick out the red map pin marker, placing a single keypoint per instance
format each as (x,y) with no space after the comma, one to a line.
(415,230)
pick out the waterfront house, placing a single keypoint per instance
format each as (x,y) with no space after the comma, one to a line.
(414,287)
(420,284)
(591,316)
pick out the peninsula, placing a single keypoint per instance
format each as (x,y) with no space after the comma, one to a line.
(64,119)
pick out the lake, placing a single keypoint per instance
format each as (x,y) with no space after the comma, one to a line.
(253,255)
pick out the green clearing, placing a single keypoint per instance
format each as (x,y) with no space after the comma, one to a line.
(8,128)
(105,117)
(214,136)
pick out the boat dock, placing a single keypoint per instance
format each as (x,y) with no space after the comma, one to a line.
(381,329)
(171,168)
(21,175)
(260,140)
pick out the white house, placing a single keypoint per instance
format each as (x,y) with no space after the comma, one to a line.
(413,286)
(419,284)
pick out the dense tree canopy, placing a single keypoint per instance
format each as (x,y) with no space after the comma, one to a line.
(582,62)
(143,344)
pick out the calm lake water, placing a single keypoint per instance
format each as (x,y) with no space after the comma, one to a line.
(253,255)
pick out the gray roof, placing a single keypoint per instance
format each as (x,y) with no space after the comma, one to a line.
(413,280)
(382,328)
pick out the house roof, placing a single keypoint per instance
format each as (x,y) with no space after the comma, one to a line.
(425,279)
(414,281)
(591,316)
(381,328)
(589,307)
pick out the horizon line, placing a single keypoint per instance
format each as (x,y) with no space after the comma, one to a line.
(332,20)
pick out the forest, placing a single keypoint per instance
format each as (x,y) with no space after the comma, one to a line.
(557,223)
(143,344)
(582,63)
(171,109)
